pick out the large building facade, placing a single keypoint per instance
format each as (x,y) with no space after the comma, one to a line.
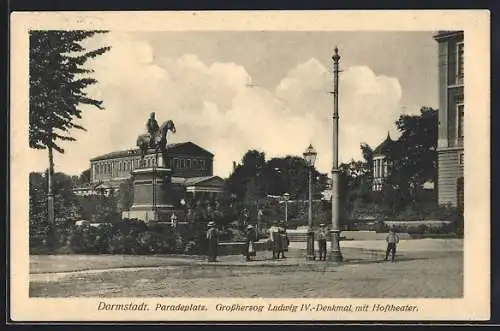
(451,118)
(191,165)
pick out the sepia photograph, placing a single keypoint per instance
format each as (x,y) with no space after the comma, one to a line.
(248,164)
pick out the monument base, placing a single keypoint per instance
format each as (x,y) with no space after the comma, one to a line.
(152,195)
(150,215)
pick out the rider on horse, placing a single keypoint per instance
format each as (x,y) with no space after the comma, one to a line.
(152,127)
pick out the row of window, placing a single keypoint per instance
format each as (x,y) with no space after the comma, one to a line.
(181,163)
(129,165)
(380,168)
(460,65)
(456,61)
(460,114)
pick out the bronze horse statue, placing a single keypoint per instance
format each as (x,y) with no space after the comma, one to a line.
(158,142)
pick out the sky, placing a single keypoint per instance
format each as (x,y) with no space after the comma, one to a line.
(233,91)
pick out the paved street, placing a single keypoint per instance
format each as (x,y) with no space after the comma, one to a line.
(416,274)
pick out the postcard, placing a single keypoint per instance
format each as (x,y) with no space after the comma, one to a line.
(250,166)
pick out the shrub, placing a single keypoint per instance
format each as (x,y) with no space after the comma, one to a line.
(123,243)
(91,239)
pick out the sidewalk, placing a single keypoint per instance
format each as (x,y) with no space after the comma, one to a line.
(412,245)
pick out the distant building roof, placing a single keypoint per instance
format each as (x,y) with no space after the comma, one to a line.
(136,151)
(193,180)
(197,180)
(384,146)
(448,34)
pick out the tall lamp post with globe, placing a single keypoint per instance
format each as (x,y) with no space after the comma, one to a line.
(310,157)
(335,255)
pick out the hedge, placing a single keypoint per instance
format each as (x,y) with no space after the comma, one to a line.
(128,237)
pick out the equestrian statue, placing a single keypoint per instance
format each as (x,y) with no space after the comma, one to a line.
(155,138)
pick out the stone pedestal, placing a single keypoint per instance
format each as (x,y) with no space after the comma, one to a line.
(152,195)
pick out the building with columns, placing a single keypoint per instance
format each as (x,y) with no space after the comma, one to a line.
(191,165)
(381,166)
(450,144)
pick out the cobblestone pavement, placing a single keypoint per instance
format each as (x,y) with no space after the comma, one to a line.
(363,274)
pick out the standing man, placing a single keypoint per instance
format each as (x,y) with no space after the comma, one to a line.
(322,236)
(392,240)
(274,238)
(283,240)
(213,242)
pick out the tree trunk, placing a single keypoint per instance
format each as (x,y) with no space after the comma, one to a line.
(50,201)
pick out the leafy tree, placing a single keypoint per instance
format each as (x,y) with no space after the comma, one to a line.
(66,206)
(367,153)
(58,80)
(413,156)
(256,178)
(251,165)
(99,208)
(84,178)
(355,186)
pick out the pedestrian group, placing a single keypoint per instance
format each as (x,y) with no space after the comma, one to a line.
(278,242)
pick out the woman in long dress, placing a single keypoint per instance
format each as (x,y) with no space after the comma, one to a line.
(213,242)
(250,249)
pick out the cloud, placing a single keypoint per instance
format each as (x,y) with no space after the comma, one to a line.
(213,106)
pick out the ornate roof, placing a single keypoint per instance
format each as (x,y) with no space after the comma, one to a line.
(383,147)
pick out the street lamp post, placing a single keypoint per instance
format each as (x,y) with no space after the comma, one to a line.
(310,157)
(286,197)
(335,255)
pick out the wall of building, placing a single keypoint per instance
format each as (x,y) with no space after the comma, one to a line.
(119,168)
(450,127)
(450,169)
(182,165)
(188,165)
(451,91)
